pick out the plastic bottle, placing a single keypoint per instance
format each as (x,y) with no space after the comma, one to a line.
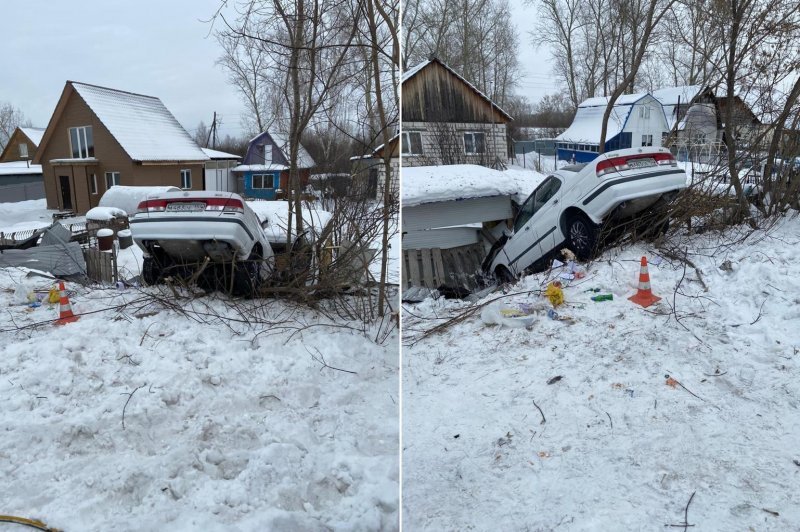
(603,297)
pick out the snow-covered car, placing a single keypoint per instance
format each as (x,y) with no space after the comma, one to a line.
(178,231)
(572,205)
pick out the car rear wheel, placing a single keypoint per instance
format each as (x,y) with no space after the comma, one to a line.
(582,236)
(151,271)
(246,275)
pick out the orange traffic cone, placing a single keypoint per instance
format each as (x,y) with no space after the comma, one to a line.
(65,314)
(644,296)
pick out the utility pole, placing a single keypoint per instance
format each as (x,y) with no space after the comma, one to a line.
(212,133)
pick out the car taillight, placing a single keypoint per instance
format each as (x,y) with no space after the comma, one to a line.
(614,164)
(152,206)
(224,205)
(665,159)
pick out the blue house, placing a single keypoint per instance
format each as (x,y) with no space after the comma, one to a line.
(265,169)
(636,120)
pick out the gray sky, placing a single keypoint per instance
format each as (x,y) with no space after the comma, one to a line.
(536,67)
(154,47)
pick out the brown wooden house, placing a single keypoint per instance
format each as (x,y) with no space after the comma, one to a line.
(100,137)
(22,144)
(447,120)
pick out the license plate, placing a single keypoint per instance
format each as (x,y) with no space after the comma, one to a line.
(643,162)
(185,206)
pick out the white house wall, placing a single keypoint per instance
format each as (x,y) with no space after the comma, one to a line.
(655,124)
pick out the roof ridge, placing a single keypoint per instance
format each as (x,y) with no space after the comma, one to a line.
(113,90)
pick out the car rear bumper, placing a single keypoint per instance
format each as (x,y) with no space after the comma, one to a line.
(231,230)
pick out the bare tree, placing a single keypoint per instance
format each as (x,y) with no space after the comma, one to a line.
(638,20)
(10,119)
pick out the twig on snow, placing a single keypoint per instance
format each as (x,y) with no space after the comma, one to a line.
(130,395)
(321,360)
(609,420)
(759,313)
(540,412)
(685,523)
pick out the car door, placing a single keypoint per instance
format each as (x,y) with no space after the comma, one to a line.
(547,211)
(523,240)
(536,226)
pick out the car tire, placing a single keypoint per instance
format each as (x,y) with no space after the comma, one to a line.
(151,271)
(582,236)
(246,278)
(503,275)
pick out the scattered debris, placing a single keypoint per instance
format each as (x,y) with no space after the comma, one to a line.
(555,293)
(555,379)
(603,297)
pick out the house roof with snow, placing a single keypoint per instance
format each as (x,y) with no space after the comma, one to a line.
(33,133)
(142,125)
(588,121)
(413,73)
(673,97)
(19,168)
(220,155)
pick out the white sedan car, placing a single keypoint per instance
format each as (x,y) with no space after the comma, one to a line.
(178,231)
(570,206)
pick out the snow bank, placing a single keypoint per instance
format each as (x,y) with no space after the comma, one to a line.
(128,198)
(224,428)
(105,213)
(276,213)
(615,447)
(428,184)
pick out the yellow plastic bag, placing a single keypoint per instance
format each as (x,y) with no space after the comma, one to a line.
(54,296)
(555,294)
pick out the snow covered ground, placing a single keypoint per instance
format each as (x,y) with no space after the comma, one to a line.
(615,447)
(227,425)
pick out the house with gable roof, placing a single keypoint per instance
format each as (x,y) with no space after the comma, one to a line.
(447,120)
(264,172)
(22,144)
(99,137)
(636,120)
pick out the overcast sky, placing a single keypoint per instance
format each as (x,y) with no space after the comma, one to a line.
(154,47)
(535,63)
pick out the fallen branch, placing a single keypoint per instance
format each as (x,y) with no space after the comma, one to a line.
(759,313)
(685,523)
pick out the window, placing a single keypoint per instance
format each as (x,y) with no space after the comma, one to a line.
(474,143)
(536,201)
(186,179)
(412,143)
(93,183)
(23,150)
(267,153)
(82,142)
(262,181)
(647,140)
(112,178)
(644,112)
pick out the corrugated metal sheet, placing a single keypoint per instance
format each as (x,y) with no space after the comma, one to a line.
(59,260)
(449,237)
(450,213)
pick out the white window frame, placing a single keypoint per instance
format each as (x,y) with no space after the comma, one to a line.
(268,151)
(112,178)
(407,145)
(647,140)
(474,143)
(262,178)
(85,149)
(23,150)
(93,184)
(186,179)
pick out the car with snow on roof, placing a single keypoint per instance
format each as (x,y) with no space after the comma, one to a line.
(192,233)
(573,204)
